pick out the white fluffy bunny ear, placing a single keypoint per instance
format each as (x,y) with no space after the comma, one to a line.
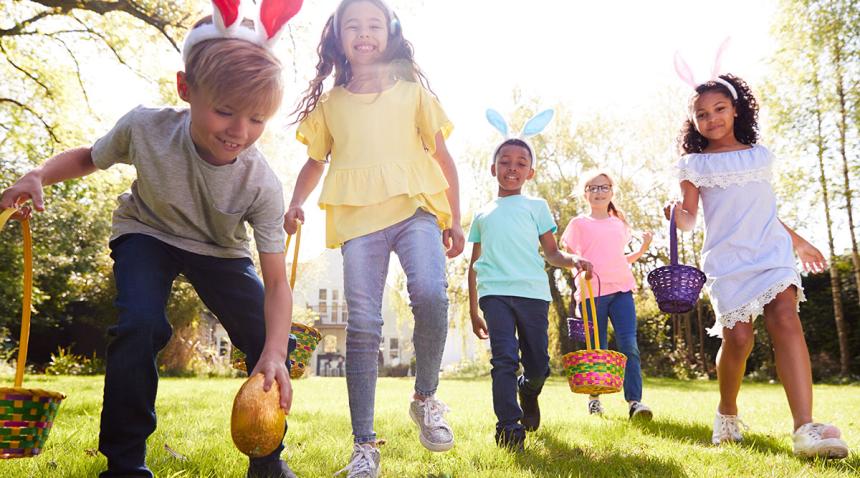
(685,73)
(274,15)
(537,123)
(498,122)
(718,59)
(226,14)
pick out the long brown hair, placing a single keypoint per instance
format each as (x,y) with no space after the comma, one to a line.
(399,56)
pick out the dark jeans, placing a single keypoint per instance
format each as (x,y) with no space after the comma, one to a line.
(144,270)
(518,332)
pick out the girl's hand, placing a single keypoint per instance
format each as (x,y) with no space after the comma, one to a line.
(275,370)
(667,209)
(294,215)
(646,240)
(454,241)
(584,266)
(811,258)
(479,327)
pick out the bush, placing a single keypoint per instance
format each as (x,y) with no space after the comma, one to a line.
(401,370)
(66,363)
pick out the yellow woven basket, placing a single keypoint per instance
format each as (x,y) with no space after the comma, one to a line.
(26,414)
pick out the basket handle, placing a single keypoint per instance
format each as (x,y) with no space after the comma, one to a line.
(28,294)
(295,252)
(585,285)
(673,239)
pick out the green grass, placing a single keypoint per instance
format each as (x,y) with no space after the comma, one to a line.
(194,421)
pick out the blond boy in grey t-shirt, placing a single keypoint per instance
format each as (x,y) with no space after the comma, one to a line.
(199,181)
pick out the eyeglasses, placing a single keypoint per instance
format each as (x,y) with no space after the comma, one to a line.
(602,188)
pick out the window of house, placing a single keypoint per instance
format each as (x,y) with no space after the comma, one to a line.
(323,303)
(393,347)
(330,344)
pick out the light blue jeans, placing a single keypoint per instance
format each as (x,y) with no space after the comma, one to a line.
(417,241)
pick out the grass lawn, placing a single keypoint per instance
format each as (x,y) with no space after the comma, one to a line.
(193,436)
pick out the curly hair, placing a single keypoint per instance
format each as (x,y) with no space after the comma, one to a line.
(399,55)
(746,123)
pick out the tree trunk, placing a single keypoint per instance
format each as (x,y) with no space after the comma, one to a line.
(835,284)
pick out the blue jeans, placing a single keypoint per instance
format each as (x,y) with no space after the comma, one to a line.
(518,331)
(144,270)
(620,309)
(417,241)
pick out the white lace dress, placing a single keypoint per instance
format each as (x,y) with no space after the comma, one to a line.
(747,256)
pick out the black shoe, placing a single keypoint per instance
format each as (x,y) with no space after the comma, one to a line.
(512,439)
(273,469)
(531,411)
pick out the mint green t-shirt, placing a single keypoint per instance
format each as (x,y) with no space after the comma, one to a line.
(509,231)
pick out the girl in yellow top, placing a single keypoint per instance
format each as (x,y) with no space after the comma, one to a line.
(391,186)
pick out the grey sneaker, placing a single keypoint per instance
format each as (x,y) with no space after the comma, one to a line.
(639,412)
(364,462)
(594,407)
(727,429)
(435,433)
(809,440)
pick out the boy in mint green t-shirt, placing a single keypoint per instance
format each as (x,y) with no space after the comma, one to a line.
(508,281)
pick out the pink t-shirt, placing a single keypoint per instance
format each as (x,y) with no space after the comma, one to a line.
(602,242)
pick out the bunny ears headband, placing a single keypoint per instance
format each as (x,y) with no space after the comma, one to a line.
(269,21)
(532,127)
(686,74)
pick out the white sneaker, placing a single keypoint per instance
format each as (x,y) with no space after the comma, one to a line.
(809,441)
(594,407)
(639,412)
(434,432)
(727,429)
(364,462)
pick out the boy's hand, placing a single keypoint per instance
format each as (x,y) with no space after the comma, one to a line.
(274,368)
(479,327)
(584,266)
(294,215)
(28,187)
(454,241)
(811,258)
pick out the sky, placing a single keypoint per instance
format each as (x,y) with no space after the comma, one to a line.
(593,57)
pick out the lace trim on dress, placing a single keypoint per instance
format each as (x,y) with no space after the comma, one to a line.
(724,180)
(755,308)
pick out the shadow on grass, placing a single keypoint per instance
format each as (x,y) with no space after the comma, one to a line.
(552,458)
(701,435)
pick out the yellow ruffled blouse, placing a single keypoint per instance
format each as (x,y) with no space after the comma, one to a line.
(381,166)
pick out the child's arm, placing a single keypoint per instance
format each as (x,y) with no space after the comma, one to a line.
(308,179)
(685,210)
(277,308)
(74,163)
(453,238)
(811,258)
(560,259)
(646,242)
(479,325)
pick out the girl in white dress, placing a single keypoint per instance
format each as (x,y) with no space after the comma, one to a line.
(747,256)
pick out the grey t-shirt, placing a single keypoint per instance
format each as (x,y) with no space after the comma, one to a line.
(184,201)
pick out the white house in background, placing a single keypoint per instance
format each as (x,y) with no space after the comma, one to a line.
(319,287)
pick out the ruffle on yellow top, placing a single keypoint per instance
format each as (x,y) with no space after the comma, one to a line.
(381,168)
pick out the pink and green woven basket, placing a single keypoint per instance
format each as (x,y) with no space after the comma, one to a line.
(594,371)
(26,414)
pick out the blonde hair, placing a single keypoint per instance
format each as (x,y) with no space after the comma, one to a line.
(590,176)
(236,73)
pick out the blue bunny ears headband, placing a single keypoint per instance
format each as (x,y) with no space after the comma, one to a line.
(534,126)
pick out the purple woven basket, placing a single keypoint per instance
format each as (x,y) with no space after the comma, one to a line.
(676,287)
(575,330)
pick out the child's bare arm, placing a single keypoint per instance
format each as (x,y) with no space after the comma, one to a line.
(479,325)
(646,242)
(277,308)
(810,257)
(453,238)
(70,164)
(308,179)
(687,208)
(560,259)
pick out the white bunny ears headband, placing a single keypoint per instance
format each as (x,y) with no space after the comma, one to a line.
(227,15)
(534,126)
(686,74)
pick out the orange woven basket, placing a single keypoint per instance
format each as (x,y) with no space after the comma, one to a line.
(26,414)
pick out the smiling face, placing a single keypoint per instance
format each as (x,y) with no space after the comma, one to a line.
(598,192)
(512,168)
(363,33)
(219,131)
(714,116)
